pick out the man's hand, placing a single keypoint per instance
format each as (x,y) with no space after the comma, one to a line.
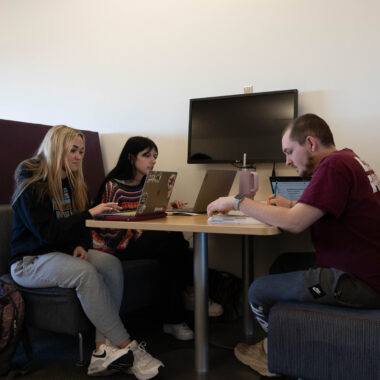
(279,201)
(222,205)
(80,252)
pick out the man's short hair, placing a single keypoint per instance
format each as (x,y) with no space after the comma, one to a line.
(310,125)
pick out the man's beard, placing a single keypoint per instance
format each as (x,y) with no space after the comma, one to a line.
(309,167)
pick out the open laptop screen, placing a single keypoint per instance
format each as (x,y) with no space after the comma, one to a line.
(289,187)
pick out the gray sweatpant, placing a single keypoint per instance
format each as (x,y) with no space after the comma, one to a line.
(98,282)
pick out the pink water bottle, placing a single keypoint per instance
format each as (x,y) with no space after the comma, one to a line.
(248,180)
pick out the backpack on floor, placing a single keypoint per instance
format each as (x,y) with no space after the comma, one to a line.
(12,310)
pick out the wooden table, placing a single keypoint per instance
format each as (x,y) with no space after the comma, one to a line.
(201,228)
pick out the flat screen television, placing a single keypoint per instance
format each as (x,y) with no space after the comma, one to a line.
(223,128)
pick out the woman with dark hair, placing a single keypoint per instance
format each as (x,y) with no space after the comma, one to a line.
(125,170)
(51,247)
(124,185)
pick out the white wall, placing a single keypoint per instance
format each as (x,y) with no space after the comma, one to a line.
(130,67)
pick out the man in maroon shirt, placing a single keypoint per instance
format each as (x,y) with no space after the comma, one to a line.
(342,206)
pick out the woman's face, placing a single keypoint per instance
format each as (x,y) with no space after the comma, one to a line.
(75,156)
(144,162)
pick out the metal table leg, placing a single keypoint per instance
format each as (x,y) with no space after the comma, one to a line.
(247,274)
(201,301)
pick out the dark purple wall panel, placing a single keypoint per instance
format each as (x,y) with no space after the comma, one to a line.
(19,141)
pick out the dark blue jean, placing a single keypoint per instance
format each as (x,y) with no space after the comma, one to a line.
(319,285)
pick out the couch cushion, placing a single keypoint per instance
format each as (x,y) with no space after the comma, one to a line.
(58,309)
(54,309)
(315,341)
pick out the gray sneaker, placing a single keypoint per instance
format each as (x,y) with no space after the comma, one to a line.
(255,357)
(214,308)
(180,330)
(109,359)
(145,366)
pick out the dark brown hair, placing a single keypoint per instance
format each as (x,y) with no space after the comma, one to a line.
(310,125)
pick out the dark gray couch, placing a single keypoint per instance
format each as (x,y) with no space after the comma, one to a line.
(320,342)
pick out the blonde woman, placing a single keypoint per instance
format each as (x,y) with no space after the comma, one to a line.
(51,247)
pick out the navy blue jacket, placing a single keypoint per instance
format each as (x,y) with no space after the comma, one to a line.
(37,230)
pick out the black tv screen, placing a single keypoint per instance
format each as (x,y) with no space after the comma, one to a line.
(223,128)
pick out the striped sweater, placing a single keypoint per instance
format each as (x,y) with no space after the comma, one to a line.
(110,240)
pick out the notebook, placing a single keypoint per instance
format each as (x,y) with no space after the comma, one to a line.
(234,219)
(216,183)
(154,198)
(289,187)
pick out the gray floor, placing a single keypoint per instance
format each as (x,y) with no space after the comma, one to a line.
(56,355)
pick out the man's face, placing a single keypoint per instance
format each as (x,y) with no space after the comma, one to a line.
(298,156)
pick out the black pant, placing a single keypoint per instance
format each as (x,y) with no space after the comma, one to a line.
(172,252)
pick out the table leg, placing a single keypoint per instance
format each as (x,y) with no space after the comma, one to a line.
(247,274)
(201,301)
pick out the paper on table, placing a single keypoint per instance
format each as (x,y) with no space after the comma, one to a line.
(233,219)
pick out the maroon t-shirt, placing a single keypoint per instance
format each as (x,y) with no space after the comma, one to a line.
(347,237)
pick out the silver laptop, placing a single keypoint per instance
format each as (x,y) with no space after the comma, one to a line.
(154,199)
(216,183)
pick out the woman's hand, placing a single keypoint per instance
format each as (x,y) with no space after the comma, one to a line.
(80,252)
(104,208)
(279,201)
(176,204)
(223,205)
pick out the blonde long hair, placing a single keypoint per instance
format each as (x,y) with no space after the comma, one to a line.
(46,168)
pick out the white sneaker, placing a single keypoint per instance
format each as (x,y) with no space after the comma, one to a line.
(181,331)
(108,359)
(145,366)
(214,309)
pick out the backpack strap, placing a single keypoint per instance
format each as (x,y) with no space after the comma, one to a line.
(29,352)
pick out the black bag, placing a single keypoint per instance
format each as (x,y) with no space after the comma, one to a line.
(227,290)
(12,331)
